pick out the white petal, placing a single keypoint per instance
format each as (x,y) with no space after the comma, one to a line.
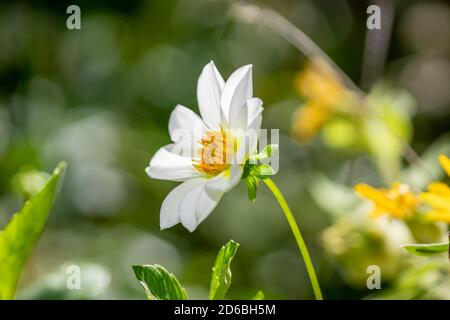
(209,89)
(186,127)
(168,164)
(207,202)
(226,180)
(237,90)
(239,120)
(255,124)
(196,205)
(170,209)
(248,142)
(255,109)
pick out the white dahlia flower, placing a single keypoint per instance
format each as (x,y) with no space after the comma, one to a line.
(208,153)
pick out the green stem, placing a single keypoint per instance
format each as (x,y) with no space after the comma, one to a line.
(298,237)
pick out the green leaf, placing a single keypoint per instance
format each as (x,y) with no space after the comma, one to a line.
(252,187)
(262,171)
(268,151)
(426,249)
(159,284)
(221,272)
(259,296)
(18,238)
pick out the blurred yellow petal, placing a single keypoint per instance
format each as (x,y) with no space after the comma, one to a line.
(438,196)
(439,215)
(445,163)
(308,120)
(318,81)
(376,212)
(398,201)
(439,187)
(325,94)
(370,193)
(436,200)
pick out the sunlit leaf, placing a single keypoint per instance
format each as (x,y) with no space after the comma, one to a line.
(262,171)
(267,152)
(252,187)
(18,238)
(159,284)
(221,275)
(426,249)
(259,296)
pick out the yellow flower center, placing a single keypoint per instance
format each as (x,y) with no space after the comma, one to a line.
(216,153)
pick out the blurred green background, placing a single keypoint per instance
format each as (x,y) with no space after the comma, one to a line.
(100,98)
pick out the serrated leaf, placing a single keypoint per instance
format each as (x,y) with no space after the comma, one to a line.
(252,187)
(259,296)
(158,283)
(18,238)
(426,249)
(262,171)
(221,272)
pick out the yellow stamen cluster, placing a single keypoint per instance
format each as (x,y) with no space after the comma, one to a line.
(398,201)
(216,153)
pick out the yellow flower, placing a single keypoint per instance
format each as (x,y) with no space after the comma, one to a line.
(438,196)
(398,201)
(319,82)
(325,94)
(308,120)
(445,163)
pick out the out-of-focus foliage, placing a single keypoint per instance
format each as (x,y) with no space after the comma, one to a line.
(93,283)
(356,240)
(421,280)
(326,97)
(19,237)
(379,124)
